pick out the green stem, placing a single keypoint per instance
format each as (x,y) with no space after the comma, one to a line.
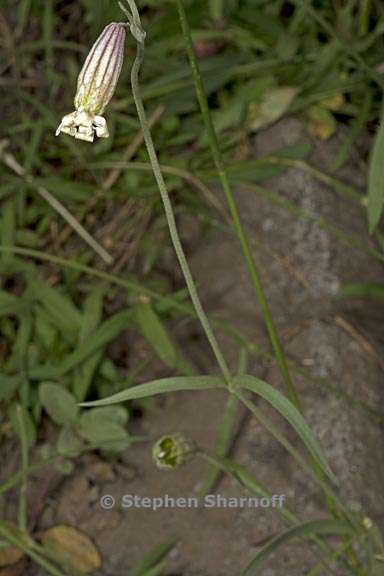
(335,504)
(225,432)
(238,227)
(170,215)
(268,425)
(23,504)
(11,538)
(18,477)
(364,14)
(249,482)
(216,9)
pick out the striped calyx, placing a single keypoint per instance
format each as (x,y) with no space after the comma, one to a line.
(96,85)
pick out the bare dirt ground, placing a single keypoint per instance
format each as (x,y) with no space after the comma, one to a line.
(340,344)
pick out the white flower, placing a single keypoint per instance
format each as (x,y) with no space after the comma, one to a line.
(96,85)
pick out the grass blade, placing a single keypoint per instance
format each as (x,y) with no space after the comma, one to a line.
(362,290)
(93,310)
(106,332)
(376,178)
(291,414)
(152,558)
(310,528)
(161,386)
(225,432)
(8,225)
(216,8)
(63,313)
(222,444)
(158,338)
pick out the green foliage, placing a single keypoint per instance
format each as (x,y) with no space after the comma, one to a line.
(266,391)
(67,337)
(152,564)
(105,427)
(27,423)
(58,403)
(362,289)
(161,387)
(376,178)
(304,529)
(291,414)
(157,336)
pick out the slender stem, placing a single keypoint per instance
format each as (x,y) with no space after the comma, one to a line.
(18,477)
(170,215)
(225,432)
(216,9)
(364,15)
(319,479)
(223,443)
(249,482)
(23,504)
(13,539)
(237,225)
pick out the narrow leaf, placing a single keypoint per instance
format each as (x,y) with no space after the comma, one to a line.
(305,529)
(152,558)
(161,387)
(291,414)
(376,178)
(155,333)
(10,304)
(8,225)
(63,313)
(362,289)
(8,386)
(93,310)
(14,413)
(222,443)
(158,337)
(106,332)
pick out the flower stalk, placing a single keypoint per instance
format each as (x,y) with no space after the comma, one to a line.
(236,220)
(139,35)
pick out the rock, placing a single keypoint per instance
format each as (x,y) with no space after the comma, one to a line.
(302,266)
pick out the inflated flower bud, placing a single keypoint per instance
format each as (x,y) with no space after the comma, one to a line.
(96,85)
(172,451)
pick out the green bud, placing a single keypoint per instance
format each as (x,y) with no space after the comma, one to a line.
(172,451)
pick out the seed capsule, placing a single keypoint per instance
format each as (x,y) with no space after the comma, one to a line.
(96,85)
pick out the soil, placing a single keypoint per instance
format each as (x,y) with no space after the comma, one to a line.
(338,342)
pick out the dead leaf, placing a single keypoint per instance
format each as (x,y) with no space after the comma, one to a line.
(274,104)
(10,555)
(334,103)
(322,123)
(72,547)
(17,569)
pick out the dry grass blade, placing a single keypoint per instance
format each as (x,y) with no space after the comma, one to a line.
(10,161)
